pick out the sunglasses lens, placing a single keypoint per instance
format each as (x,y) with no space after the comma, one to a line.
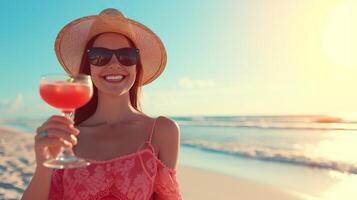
(128,56)
(99,56)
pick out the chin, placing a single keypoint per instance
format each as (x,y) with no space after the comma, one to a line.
(115,93)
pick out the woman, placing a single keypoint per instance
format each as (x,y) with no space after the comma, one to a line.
(132,155)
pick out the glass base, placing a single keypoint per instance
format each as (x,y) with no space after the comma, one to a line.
(67,161)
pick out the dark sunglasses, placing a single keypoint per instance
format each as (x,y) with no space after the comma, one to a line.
(100,56)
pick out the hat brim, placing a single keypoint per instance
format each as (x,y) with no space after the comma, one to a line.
(72,39)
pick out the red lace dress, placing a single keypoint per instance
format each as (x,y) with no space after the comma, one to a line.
(136,176)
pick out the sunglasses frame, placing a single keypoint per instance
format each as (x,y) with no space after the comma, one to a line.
(118,53)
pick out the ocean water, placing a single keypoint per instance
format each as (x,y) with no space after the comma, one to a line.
(311,141)
(311,155)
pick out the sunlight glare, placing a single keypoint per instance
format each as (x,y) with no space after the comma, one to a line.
(339,39)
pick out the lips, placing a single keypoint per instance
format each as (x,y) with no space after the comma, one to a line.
(113,78)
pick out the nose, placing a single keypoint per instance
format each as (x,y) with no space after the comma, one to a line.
(114,62)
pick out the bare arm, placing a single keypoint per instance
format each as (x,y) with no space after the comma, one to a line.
(39,186)
(168,132)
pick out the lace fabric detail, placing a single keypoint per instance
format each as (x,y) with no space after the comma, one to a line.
(124,178)
(166,185)
(56,190)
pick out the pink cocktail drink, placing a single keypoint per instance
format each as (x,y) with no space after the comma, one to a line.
(66,96)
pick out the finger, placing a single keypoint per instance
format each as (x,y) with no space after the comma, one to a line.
(59,134)
(62,119)
(57,125)
(53,151)
(52,142)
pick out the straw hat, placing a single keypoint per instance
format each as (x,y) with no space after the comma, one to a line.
(72,39)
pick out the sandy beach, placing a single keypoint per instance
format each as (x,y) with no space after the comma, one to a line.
(17,165)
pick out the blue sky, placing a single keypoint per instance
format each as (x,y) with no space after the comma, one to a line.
(224,57)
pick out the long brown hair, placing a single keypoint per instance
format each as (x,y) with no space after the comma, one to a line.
(84,112)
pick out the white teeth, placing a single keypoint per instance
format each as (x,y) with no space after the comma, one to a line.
(114,77)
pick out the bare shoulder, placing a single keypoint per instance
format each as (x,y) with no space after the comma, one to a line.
(167,133)
(167,126)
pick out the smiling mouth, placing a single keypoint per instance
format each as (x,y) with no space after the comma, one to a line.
(114,78)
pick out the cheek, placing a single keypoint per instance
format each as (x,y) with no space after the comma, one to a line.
(94,74)
(94,71)
(132,78)
(133,74)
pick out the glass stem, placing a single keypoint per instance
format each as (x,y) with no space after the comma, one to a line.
(66,151)
(68,114)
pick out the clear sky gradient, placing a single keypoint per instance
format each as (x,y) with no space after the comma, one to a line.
(227,57)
